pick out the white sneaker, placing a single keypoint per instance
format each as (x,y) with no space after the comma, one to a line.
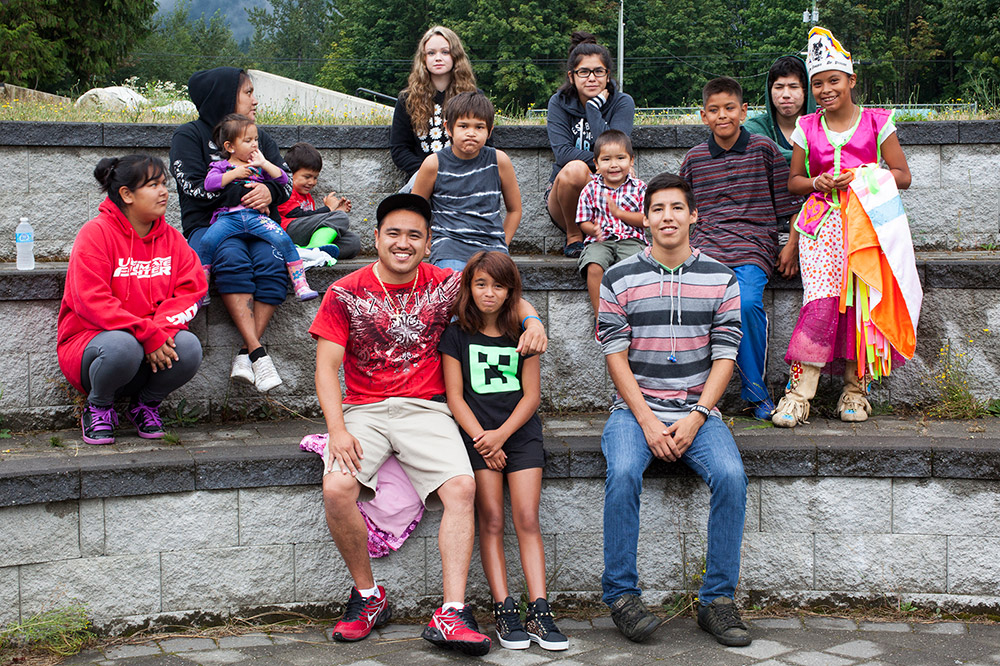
(242,369)
(265,376)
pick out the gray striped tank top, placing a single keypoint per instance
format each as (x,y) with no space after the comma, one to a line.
(466,206)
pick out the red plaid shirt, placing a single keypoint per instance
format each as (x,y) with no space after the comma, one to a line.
(592,208)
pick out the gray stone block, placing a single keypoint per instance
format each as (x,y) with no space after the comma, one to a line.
(46,383)
(927,506)
(91,527)
(652,161)
(973,565)
(830,623)
(264,465)
(285,136)
(578,560)
(532,176)
(228,577)
(660,557)
(130,651)
(45,283)
(777,458)
(179,521)
(23,133)
(16,387)
(971,218)
(881,562)
(912,134)
(344,136)
(776,561)
(139,473)
(110,586)
(140,137)
(569,506)
(22,323)
(977,131)
(872,456)
(39,533)
(371,171)
(186,644)
(531,136)
(282,515)
(10,604)
(12,162)
(925,165)
(321,575)
(825,505)
(38,480)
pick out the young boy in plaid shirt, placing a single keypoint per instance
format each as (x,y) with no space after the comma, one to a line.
(610,211)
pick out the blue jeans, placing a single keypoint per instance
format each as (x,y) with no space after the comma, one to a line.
(454,264)
(247,265)
(250,222)
(751,359)
(714,456)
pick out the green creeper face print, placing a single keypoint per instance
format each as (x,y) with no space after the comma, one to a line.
(493,369)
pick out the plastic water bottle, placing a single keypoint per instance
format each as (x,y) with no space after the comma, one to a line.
(24,236)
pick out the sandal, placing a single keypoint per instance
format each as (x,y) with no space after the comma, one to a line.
(573,250)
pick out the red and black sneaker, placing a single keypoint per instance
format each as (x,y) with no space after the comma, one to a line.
(457,629)
(362,615)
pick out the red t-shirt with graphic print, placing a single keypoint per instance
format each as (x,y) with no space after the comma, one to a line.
(390,342)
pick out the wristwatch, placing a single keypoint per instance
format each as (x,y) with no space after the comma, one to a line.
(703,410)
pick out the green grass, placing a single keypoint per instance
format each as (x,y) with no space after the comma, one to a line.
(64,631)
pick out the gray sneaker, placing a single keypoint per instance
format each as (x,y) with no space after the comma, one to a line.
(721,619)
(633,619)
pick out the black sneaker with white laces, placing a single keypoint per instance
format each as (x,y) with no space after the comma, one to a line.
(721,619)
(542,627)
(508,623)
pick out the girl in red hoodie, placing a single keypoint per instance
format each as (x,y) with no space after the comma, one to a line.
(132,286)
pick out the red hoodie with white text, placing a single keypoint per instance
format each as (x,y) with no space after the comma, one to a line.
(118,281)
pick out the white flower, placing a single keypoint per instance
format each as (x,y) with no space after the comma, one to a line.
(437,109)
(424,147)
(435,133)
(436,146)
(437,121)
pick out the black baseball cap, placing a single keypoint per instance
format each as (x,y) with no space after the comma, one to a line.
(403,201)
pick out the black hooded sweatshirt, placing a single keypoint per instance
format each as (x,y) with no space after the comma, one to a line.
(214,93)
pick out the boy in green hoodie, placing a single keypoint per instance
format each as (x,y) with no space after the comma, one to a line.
(787,98)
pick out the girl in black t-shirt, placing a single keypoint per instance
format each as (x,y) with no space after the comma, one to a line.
(494,393)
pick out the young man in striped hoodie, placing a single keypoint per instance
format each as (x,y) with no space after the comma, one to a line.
(669,326)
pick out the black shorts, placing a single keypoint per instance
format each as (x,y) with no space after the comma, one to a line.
(521,454)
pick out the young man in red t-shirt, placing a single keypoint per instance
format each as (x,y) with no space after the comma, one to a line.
(383,323)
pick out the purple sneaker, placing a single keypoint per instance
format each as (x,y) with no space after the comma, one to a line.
(146,418)
(98,424)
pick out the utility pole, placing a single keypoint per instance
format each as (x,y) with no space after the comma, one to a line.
(621,43)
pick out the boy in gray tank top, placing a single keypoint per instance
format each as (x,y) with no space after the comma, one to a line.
(465,183)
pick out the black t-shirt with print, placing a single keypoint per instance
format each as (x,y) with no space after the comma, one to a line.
(491,380)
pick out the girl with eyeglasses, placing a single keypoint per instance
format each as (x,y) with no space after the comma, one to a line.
(586,105)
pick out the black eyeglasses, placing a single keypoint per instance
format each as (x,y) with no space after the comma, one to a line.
(584,72)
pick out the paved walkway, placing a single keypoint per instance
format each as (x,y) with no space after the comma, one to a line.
(812,641)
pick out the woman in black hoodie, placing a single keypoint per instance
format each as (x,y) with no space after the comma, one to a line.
(584,107)
(250,278)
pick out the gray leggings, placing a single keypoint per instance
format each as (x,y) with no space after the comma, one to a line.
(302,228)
(114,366)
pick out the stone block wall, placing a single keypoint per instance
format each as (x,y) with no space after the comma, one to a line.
(132,559)
(46,174)
(961,307)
